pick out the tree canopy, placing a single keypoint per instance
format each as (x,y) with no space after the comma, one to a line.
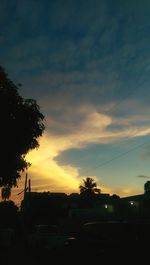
(147,187)
(21,126)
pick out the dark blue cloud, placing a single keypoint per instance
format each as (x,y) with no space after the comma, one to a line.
(93,51)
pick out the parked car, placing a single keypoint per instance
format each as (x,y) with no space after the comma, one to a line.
(102,237)
(47,237)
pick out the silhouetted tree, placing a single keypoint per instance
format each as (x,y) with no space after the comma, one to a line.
(6,192)
(147,187)
(89,186)
(114,198)
(21,126)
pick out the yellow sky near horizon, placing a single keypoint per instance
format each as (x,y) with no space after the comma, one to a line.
(47,174)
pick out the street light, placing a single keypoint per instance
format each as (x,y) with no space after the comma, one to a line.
(132,203)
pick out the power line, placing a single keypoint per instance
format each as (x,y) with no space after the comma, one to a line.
(120,155)
(129,137)
(22,191)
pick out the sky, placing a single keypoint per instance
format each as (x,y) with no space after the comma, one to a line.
(87,64)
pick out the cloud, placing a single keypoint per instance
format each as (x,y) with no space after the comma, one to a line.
(82,125)
(143,176)
(90,59)
(47,174)
(55,177)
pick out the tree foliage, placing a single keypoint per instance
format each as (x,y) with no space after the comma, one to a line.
(147,187)
(21,126)
(89,186)
(6,192)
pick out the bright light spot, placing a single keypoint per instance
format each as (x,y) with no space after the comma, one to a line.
(106,206)
(131,202)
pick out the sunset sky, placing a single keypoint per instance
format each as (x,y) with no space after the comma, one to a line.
(87,63)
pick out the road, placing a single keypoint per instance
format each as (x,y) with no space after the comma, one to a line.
(19,255)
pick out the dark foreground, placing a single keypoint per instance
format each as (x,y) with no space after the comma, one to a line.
(19,255)
(95,243)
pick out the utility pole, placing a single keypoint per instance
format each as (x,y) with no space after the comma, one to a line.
(25,184)
(29,185)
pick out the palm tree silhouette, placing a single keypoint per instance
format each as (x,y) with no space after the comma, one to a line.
(89,186)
